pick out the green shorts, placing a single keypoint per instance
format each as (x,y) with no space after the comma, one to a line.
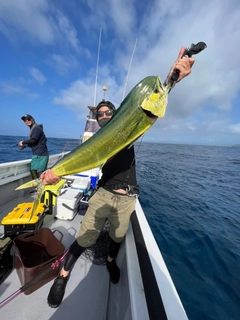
(39,163)
(105,205)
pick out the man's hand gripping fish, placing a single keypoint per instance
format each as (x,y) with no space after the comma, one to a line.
(146,102)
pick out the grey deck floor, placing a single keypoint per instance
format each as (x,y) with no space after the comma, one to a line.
(86,295)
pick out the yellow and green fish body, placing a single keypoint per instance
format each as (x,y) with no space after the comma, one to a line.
(139,110)
(137,113)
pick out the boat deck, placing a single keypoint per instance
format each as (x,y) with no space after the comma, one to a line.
(145,290)
(86,295)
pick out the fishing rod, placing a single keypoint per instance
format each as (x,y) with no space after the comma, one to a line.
(15,145)
(99,45)
(68,143)
(126,81)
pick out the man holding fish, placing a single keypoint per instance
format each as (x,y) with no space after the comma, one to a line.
(114,199)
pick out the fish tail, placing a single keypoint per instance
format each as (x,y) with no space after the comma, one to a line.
(32,183)
(37,200)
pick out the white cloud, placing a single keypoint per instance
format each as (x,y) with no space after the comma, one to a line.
(38,22)
(76,97)
(68,31)
(11,89)
(37,75)
(27,18)
(62,63)
(215,76)
(204,103)
(235,128)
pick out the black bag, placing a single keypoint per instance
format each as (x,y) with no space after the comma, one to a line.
(6,259)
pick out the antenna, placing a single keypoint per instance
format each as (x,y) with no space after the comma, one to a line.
(104,92)
(125,86)
(99,44)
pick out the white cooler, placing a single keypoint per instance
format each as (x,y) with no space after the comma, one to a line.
(93,174)
(67,204)
(81,183)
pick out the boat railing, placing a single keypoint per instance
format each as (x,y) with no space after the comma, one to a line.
(12,171)
(159,293)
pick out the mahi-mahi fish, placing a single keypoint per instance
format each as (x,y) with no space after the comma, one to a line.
(137,113)
(145,103)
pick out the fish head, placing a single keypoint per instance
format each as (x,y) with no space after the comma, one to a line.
(156,99)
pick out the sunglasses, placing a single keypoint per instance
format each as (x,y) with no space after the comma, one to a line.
(107,113)
(27,119)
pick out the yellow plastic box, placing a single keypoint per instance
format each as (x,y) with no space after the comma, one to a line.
(18,219)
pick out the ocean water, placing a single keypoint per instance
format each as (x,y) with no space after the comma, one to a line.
(9,151)
(191,198)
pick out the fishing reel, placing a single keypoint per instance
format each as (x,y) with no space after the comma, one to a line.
(194,49)
(21,147)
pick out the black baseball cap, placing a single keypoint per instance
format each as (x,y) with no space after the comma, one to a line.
(27,116)
(108,104)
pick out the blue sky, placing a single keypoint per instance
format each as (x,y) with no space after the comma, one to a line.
(49,53)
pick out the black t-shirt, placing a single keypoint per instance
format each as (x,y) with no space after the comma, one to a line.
(120,170)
